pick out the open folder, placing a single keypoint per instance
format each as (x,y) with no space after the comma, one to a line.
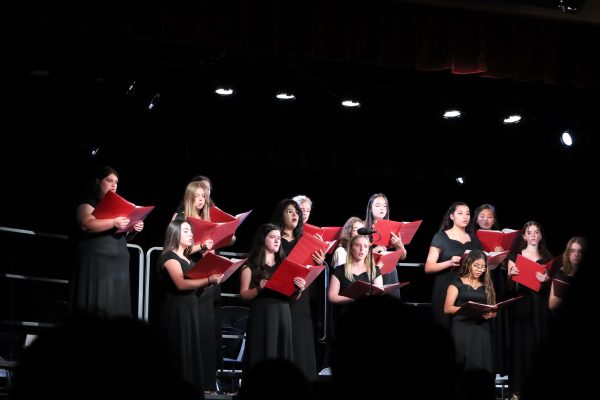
(494,258)
(491,239)
(303,250)
(328,233)
(389,260)
(212,264)
(220,229)
(112,206)
(406,231)
(361,288)
(527,270)
(560,288)
(282,280)
(472,309)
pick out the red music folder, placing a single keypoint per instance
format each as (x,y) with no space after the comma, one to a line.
(527,270)
(112,206)
(361,288)
(494,258)
(389,260)
(306,246)
(473,309)
(220,232)
(491,239)
(212,264)
(560,287)
(328,233)
(406,231)
(282,280)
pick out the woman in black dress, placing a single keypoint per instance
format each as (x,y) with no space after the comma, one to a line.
(471,335)
(571,259)
(179,318)
(269,332)
(101,282)
(447,247)
(530,315)
(287,216)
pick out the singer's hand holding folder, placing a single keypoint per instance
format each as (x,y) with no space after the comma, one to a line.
(406,231)
(305,248)
(491,239)
(389,260)
(112,206)
(212,264)
(527,271)
(560,288)
(328,233)
(361,288)
(221,229)
(282,280)
(475,310)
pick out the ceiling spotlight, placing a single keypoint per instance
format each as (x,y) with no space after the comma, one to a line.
(130,88)
(460,180)
(285,96)
(154,102)
(512,119)
(95,151)
(566,139)
(452,114)
(350,103)
(224,92)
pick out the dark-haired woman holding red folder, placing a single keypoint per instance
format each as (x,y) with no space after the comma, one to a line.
(101,281)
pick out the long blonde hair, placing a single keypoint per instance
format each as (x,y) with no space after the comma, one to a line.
(371,272)
(189,210)
(568,268)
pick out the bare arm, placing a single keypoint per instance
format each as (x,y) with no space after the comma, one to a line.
(432,265)
(247,294)
(90,224)
(333,294)
(451,295)
(398,245)
(554,301)
(176,273)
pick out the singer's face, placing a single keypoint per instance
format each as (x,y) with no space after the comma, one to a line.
(187,237)
(199,199)
(290,217)
(461,216)
(379,208)
(486,219)
(575,253)
(533,235)
(305,207)
(273,241)
(107,183)
(355,227)
(360,249)
(478,268)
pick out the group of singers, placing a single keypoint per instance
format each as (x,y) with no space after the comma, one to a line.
(282,327)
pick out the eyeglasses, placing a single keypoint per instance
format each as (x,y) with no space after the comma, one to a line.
(479,266)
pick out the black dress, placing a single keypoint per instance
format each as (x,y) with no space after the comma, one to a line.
(338,309)
(302,326)
(179,322)
(471,336)
(101,281)
(448,249)
(269,332)
(530,319)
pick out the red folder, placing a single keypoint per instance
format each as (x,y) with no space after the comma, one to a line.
(212,264)
(328,233)
(472,309)
(220,232)
(495,258)
(491,239)
(554,265)
(306,246)
(527,270)
(389,259)
(406,231)
(112,206)
(361,288)
(282,280)
(560,288)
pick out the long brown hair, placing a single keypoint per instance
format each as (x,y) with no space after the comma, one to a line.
(568,268)
(465,270)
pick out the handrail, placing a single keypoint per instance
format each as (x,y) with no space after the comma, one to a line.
(140,277)
(325,304)
(147,282)
(34,278)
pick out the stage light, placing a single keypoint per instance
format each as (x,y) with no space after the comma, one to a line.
(131,88)
(452,114)
(350,103)
(566,139)
(460,180)
(224,92)
(154,102)
(285,96)
(95,150)
(570,6)
(512,119)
